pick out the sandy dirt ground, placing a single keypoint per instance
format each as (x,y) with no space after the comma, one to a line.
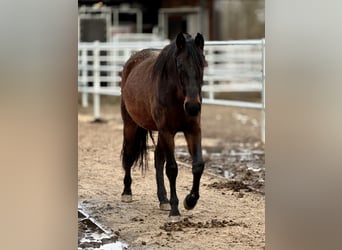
(222,219)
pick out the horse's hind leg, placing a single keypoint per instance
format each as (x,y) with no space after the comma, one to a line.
(159,161)
(128,152)
(127,160)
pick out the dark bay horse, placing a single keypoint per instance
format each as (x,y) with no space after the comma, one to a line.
(161,91)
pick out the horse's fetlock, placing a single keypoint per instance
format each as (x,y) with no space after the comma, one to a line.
(194,195)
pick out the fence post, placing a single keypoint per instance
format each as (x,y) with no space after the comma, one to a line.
(84,64)
(96,83)
(263,137)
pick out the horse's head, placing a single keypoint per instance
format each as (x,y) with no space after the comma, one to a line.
(190,64)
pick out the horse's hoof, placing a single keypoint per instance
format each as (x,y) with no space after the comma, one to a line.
(126,198)
(189,202)
(165,206)
(174,219)
(186,205)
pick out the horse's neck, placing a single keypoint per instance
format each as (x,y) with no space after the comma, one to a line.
(168,88)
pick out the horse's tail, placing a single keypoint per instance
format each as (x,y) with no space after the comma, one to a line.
(139,153)
(135,150)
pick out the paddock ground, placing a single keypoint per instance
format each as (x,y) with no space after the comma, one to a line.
(226,217)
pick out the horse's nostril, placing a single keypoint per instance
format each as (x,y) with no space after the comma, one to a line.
(192,108)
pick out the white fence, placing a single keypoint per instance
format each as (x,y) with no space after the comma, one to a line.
(233,66)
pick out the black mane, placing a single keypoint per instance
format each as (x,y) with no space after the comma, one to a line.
(166,59)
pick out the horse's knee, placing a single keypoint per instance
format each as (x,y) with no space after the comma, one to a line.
(197,168)
(171,171)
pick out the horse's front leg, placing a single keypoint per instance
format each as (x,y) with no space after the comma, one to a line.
(166,141)
(194,145)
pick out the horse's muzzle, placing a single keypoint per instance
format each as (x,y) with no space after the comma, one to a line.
(192,106)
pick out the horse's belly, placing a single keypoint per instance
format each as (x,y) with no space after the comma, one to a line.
(143,119)
(139,110)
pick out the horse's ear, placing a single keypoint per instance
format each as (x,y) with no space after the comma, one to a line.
(180,41)
(199,41)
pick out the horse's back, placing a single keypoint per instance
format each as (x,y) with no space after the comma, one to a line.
(137,87)
(136,59)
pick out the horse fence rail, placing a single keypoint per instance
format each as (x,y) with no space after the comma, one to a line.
(233,66)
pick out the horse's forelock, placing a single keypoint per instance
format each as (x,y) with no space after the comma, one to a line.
(196,54)
(166,56)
